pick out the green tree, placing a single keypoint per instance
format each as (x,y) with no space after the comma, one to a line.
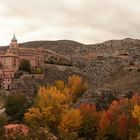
(16,105)
(25,65)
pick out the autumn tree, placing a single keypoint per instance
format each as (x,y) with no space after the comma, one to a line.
(136,115)
(90,119)
(54,113)
(48,108)
(50,96)
(123,126)
(59,84)
(77,87)
(135,100)
(70,124)
(136,112)
(117,121)
(107,125)
(51,107)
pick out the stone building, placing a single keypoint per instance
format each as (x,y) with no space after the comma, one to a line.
(34,55)
(6,76)
(11,59)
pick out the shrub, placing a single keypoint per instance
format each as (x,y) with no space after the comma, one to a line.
(16,105)
(25,65)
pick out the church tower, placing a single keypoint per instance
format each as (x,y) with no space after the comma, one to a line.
(14,43)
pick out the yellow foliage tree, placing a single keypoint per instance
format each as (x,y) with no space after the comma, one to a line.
(77,86)
(60,85)
(65,90)
(52,104)
(33,116)
(50,96)
(71,121)
(136,112)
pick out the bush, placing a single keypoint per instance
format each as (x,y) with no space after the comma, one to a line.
(25,65)
(37,71)
(18,74)
(16,105)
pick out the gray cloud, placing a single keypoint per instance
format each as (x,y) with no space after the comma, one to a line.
(87,21)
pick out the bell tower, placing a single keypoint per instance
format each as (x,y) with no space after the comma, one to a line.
(13,43)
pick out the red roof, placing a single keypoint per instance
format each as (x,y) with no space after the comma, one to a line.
(22,127)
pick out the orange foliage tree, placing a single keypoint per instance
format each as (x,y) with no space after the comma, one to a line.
(90,119)
(117,121)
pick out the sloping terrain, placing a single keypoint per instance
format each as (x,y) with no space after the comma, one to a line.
(30,85)
(106,66)
(64,47)
(124,81)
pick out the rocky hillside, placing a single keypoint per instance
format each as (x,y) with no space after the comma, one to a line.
(64,47)
(108,67)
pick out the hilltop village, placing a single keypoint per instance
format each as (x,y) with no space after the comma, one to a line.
(12,58)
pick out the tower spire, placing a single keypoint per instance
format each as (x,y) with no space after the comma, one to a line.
(13,43)
(14,38)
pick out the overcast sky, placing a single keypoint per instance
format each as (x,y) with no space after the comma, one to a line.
(86,21)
